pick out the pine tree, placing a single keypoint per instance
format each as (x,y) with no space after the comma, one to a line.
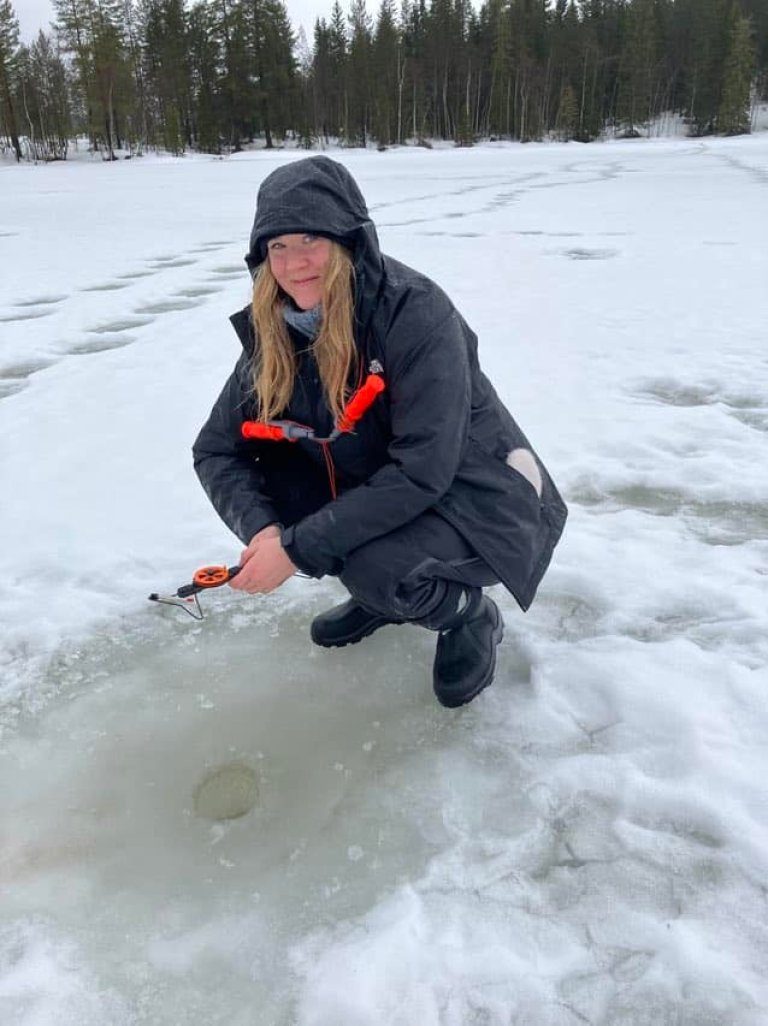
(43,91)
(204,62)
(733,116)
(360,47)
(9,43)
(638,60)
(338,71)
(567,120)
(385,55)
(168,73)
(498,118)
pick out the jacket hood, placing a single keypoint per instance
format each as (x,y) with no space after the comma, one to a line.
(316,195)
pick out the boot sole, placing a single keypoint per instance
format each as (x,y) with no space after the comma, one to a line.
(351,639)
(498,634)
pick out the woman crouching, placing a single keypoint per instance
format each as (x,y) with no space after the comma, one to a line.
(358,437)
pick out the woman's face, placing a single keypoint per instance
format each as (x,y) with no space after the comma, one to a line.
(299,263)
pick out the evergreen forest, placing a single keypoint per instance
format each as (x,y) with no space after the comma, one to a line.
(217,76)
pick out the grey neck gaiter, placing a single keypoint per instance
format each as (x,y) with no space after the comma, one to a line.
(305,321)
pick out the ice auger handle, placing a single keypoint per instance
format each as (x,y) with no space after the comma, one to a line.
(290,431)
(363,398)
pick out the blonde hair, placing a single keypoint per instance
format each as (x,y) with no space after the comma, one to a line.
(334,349)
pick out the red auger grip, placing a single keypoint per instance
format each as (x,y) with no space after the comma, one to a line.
(361,401)
(264,432)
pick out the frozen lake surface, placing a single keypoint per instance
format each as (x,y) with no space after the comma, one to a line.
(587,842)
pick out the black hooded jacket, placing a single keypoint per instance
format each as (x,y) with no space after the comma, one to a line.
(436,439)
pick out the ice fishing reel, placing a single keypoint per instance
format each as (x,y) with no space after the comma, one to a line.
(186,597)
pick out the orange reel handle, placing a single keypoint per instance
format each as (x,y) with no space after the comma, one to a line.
(208,577)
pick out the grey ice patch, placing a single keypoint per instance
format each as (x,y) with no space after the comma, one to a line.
(31,315)
(24,370)
(524,462)
(167,306)
(229,270)
(101,345)
(162,262)
(582,253)
(10,386)
(41,301)
(714,522)
(193,293)
(668,392)
(754,418)
(209,247)
(136,274)
(16,377)
(109,286)
(112,327)
(748,408)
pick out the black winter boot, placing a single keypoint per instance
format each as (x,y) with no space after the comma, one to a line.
(346,624)
(465,660)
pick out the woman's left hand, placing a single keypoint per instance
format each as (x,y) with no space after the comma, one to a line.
(264,565)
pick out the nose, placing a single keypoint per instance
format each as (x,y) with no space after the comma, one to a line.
(296,258)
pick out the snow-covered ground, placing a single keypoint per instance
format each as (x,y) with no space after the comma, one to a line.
(586,843)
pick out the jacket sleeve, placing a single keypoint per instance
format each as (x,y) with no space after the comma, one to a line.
(226,466)
(428,380)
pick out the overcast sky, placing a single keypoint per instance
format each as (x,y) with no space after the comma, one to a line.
(34,15)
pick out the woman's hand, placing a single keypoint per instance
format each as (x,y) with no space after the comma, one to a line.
(264,565)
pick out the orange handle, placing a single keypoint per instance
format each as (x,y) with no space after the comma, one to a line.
(361,401)
(266,432)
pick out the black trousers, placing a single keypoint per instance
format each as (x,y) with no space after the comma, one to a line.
(417,573)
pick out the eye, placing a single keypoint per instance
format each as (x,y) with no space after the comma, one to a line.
(271,246)
(309,239)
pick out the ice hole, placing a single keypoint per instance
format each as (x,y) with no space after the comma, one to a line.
(227,792)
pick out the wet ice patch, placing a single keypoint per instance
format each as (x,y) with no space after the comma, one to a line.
(715,522)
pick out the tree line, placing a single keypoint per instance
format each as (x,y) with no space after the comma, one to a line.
(217,75)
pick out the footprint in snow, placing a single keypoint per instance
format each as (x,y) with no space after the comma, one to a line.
(200,290)
(101,345)
(161,264)
(30,315)
(229,271)
(168,306)
(583,253)
(113,327)
(108,286)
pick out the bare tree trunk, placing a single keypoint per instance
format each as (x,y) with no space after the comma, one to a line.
(400,84)
(583,95)
(33,144)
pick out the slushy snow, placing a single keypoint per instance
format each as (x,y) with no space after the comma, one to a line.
(587,842)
